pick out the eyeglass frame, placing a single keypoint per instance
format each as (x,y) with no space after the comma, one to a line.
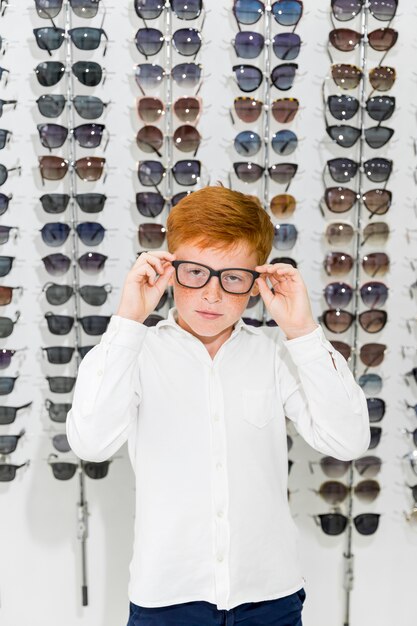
(217,273)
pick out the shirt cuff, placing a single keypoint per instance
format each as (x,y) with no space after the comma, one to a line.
(308,347)
(122,331)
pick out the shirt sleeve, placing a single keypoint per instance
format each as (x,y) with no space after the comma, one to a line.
(107,392)
(321,396)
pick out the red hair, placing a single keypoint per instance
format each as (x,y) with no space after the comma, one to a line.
(218,217)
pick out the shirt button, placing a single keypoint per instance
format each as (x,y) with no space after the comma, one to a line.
(219,513)
(220,558)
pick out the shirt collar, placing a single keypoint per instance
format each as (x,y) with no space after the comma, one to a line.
(172,317)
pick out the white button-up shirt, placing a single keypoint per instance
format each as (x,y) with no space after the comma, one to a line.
(207,441)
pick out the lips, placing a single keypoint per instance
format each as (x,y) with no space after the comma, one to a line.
(209,314)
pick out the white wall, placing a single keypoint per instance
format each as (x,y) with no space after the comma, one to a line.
(40,566)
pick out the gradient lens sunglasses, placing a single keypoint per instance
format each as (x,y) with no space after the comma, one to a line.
(339,320)
(343,169)
(285,12)
(187,109)
(56,203)
(87,107)
(58,264)
(87,135)
(367,466)
(186,138)
(344,107)
(185,172)
(336,523)
(371,354)
(347,40)
(249,45)
(346,10)
(183,9)
(249,109)
(186,41)
(150,75)
(82,8)
(56,233)
(49,73)
(6,294)
(341,199)
(152,203)
(51,38)
(94,295)
(339,294)
(248,143)
(250,77)
(341,263)
(347,76)
(334,492)
(341,233)
(281,173)
(87,168)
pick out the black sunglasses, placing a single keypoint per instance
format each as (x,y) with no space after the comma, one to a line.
(62,324)
(87,135)
(335,523)
(186,41)
(82,8)
(250,77)
(8,443)
(57,411)
(8,471)
(343,169)
(344,107)
(346,10)
(95,295)
(56,233)
(7,325)
(8,413)
(84,38)
(49,73)
(88,202)
(87,107)
(64,470)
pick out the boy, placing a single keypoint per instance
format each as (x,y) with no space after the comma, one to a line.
(201,399)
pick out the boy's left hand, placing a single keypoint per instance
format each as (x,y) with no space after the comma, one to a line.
(289,305)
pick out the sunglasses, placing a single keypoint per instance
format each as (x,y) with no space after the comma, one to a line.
(56,203)
(61,384)
(8,413)
(7,384)
(87,135)
(342,199)
(57,411)
(186,108)
(338,233)
(61,443)
(4,202)
(371,354)
(151,235)
(376,409)
(7,325)
(58,264)
(248,143)
(343,107)
(367,466)
(347,40)
(339,294)
(4,172)
(55,168)
(56,233)
(87,107)
(51,38)
(281,173)
(5,136)
(339,320)
(6,294)
(285,236)
(340,263)
(334,492)
(183,9)
(249,45)
(346,136)
(58,354)
(49,73)
(5,103)
(8,471)
(370,383)
(185,172)
(152,203)
(63,470)
(285,12)
(348,76)
(150,75)
(95,295)
(249,109)
(343,169)
(5,233)
(82,8)
(186,138)
(250,77)
(62,324)
(335,523)
(6,356)
(6,263)
(346,10)
(186,41)
(282,205)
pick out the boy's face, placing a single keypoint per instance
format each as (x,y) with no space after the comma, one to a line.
(212,297)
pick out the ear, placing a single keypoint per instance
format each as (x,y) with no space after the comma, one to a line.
(255,290)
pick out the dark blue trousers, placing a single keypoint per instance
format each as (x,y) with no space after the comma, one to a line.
(281,612)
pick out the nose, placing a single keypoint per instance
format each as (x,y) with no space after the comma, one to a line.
(212,292)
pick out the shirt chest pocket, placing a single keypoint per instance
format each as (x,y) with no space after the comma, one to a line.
(260,406)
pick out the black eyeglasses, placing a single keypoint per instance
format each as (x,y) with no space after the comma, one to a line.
(285,12)
(8,471)
(87,107)
(250,77)
(82,8)
(238,281)
(183,9)
(335,523)
(49,73)
(8,413)
(84,38)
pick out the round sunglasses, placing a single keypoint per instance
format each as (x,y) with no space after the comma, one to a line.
(342,199)
(348,76)
(339,320)
(341,263)
(341,233)
(339,294)
(187,109)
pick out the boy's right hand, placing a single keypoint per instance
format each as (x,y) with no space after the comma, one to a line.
(141,292)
